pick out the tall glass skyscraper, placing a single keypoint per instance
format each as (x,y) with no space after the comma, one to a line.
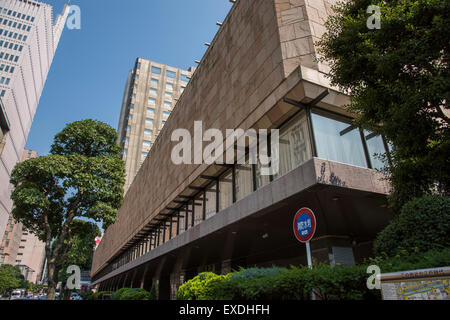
(28,41)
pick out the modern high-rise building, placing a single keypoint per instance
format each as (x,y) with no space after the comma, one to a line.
(22,248)
(28,41)
(151,92)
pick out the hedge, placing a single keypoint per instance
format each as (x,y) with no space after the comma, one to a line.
(135,294)
(99,295)
(297,283)
(118,294)
(423,223)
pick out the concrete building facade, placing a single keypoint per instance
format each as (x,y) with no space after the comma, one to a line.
(28,41)
(151,91)
(260,72)
(21,248)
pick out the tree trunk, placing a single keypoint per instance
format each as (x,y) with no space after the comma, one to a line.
(52,283)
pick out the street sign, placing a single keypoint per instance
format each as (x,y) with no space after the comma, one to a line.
(304,229)
(304,225)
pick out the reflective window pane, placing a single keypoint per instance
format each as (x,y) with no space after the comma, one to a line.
(376,149)
(198,209)
(244,181)
(295,147)
(156,70)
(225,191)
(210,200)
(337,141)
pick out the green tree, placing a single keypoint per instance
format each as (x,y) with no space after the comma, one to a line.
(83,177)
(10,278)
(399,81)
(423,224)
(81,251)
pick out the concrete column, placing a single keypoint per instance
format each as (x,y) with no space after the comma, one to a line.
(143,277)
(226,267)
(124,283)
(176,280)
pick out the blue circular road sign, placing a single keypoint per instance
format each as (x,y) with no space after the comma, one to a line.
(304,225)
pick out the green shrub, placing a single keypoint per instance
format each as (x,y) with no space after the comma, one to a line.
(135,294)
(100,295)
(118,294)
(191,290)
(423,223)
(211,286)
(414,260)
(330,283)
(89,295)
(297,283)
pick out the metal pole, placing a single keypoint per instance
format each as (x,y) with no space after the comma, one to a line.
(308,256)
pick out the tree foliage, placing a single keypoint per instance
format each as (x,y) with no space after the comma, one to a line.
(399,81)
(423,224)
(10,278)
(81,251)
(82,178)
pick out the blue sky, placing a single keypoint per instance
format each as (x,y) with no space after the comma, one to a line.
(88,74)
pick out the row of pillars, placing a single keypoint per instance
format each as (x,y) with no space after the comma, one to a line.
(166,286)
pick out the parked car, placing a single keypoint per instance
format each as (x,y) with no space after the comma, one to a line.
(16,294)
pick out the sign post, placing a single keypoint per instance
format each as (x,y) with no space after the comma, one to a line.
(304,229)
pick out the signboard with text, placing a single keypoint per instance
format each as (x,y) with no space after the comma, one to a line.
(304,225)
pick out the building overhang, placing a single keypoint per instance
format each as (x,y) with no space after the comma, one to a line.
(347,200)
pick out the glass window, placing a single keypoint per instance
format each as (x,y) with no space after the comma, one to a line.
(151,111)
(295,146)
(168,104)
(149,121)
(166,113)
(148,132)
(376,149)
(198,209)
(244,181)
(169,86)
(154,82)
(156,70)
(182,223)
(171,74)
(138,65)
(211,200)
(189,214)
(152,101)
(336,141)
(147,143)
(225,191)
(153,91)
(184,78)
(168,95)
(144,154)
(163,124)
